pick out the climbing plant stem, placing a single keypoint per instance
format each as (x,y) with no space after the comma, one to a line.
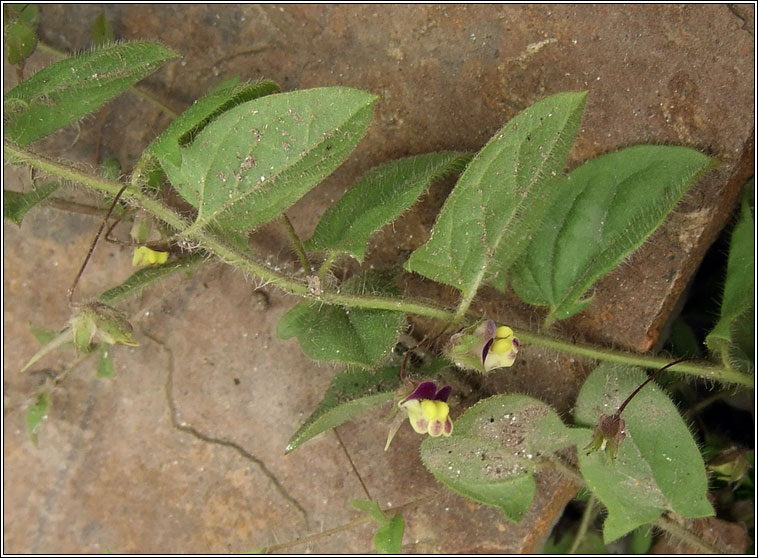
(246,261)
(682,533)
(297,244)
(697,368)
(463,306)
(331,257)
(584,525)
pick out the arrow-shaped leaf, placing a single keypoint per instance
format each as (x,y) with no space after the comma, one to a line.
(258,158)
(350,394)
(17,204)
(501,197)
(603,211)
(737,319)
(381,196)
(493,451)
(658,466)
(64,92)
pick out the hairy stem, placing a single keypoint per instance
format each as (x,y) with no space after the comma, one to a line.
(463,306)
(297,244)
(17,155)
(682,533)
(587,517)
(708,371)
(324,269)
(244,261)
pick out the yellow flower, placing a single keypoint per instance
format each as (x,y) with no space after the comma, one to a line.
(427,410)
(484,347)
(502,350)
(145,256)
(428,416)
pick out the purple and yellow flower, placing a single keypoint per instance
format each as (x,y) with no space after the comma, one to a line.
(146,256)
(501,350)
(427,410)
(484,347)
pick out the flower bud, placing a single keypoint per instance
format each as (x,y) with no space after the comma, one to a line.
(610,430)
(146,256)
(98,322)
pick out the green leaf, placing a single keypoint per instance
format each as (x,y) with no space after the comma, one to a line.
(258,158)
(512,494)
(64,92)
(228,94)
(381,196)
(105,364)
(519,422)
(742,347)
(102,32)
(640,540)
(683,339)
(493,451)
(350,335)
(370,507)
(737,321)
(110,168)
(389,537)
(20,41)
(17,204)
(592,543)
(42,334)
(28,13)
(350,394)
(64,337)
(501,197)
(353,336)
(658,466)
(603,211)
(36,413)
(20,30)
(148,276)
